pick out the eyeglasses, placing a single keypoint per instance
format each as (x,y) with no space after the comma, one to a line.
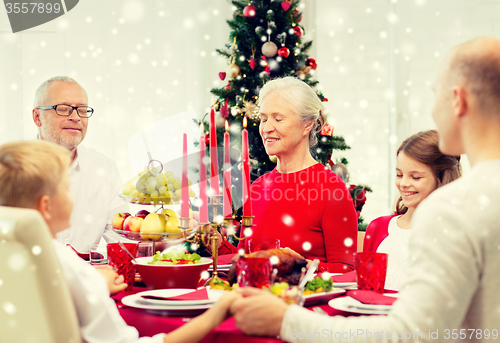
(66,110)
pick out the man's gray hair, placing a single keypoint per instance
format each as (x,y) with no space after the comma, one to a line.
(41,93)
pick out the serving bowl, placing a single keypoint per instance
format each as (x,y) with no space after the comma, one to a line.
(171,276)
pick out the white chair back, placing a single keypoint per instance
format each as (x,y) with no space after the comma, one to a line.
(35,302)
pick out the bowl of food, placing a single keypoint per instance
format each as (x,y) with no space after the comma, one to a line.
(172,270)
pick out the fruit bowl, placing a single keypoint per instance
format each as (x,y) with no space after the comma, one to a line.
(171,276)
(172,239)
(148,200)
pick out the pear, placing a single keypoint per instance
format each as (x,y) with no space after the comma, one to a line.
(153,224)
(172,225)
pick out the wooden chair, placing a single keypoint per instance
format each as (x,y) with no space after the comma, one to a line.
(34,295)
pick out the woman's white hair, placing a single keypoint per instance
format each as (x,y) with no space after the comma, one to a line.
(42,93)
(302,99)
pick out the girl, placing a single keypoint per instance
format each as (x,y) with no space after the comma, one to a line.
(421,168)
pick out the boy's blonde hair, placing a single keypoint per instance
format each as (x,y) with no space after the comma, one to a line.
(29,170)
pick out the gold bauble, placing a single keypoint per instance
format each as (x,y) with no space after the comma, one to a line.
(273,158)
(233,70)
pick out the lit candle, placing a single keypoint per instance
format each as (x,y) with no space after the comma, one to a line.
(203,179)
(185,185)
(247,205)
(214,162)
(228,210)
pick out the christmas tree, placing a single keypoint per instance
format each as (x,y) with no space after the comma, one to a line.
(266,42)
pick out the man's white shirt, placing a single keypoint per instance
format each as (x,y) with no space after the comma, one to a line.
(95,185)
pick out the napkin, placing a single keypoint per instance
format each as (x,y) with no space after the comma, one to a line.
(371,298)
(347,277)
(199,294)
(225,259)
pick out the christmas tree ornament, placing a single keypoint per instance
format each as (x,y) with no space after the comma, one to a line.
(311,62)
(269,49)
(341,170)
(233,70)
(252,60)
(235,110)
(224,112)
(222,76)
(298,31)
(249,11)
(273,158)
(270,15)
(259,30)
(249,108)
(263,62)
(285,5)
(284,52)
(297,15)
(305,72)
(228,86)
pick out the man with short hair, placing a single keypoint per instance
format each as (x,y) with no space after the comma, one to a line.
(452,288)
(61,113)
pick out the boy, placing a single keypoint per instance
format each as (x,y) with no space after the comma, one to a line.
(35,175)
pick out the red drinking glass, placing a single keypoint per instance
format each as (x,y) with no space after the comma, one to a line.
(119,259)
(254,272)
(371,269)
(257,244)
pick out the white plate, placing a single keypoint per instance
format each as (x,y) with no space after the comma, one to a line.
(352,305)
(221,267)
(138,300)
(344,284)
(322,296)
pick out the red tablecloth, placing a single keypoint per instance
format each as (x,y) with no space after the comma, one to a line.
(150,324)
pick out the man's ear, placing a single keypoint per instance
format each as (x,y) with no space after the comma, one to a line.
(459,101)
(36,117)
(43,206)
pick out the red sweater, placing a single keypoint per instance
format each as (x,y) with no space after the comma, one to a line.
(310,212)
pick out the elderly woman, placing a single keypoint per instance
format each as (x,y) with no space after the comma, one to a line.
(301,203)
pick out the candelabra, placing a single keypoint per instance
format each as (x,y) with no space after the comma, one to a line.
(207,233)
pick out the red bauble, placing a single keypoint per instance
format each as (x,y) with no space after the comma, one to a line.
(285,6)
(298,31)
(249,11)
(312,63)
(222,76)
(252,63)
(297,15)
(284,52)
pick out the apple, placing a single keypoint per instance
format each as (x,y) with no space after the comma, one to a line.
(153,224)
(118,220)
(133,224)
(142,213)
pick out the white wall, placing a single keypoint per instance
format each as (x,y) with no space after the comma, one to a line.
(377,62)
(141,61)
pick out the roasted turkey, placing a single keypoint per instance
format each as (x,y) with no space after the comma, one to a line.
(289,266)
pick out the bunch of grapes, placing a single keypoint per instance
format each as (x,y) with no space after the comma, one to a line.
(153,187)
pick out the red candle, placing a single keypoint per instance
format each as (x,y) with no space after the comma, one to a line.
(214,162)
(247,205)
(203,179)
(185,185)
(228,210)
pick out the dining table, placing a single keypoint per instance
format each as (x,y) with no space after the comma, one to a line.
(149,324)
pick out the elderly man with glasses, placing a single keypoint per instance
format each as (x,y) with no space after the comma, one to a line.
(61,112)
